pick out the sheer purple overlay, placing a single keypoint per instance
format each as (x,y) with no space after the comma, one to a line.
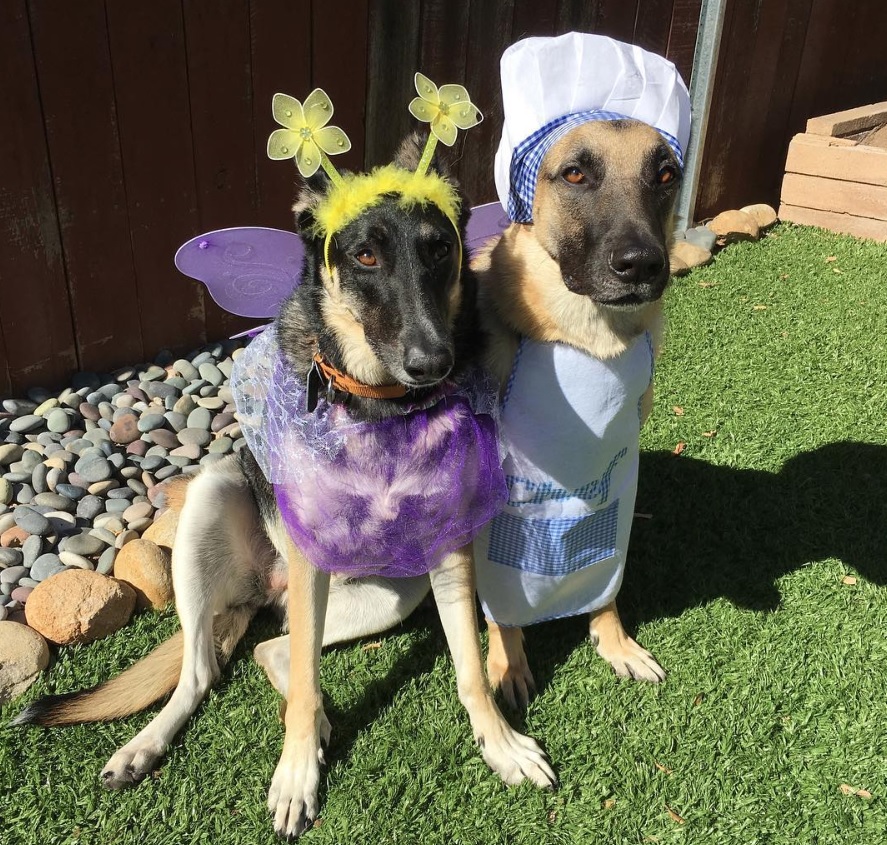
(386,498)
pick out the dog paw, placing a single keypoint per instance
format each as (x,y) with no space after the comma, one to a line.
(129,767)
(513,680)
(516,758)
(630,660)
(292,798)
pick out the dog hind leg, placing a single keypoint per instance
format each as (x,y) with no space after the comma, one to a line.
(628,658)
(356,608)
(215,598)
(507,666)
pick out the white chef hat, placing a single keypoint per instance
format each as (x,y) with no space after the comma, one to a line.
(551,85)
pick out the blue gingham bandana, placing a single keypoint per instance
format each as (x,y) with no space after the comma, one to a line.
(528,154)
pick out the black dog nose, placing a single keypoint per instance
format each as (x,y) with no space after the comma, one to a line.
(427,365)
(637,263)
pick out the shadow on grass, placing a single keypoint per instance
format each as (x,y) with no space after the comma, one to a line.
(366,706)
(720,532)
(716,532)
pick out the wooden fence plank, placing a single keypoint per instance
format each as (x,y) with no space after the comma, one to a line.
(151,90)
(220,94)
(578,15)
(827,43)
(392,62)
(653,24)
(865,70)
(776,130)
(5,380)
(280,31)
(617,18)
(443,52)
(344,81)
(443,58)
(759,62)
(682,36)
(534,18)
(35,316)
(77,93)
(489,33)
(774,56)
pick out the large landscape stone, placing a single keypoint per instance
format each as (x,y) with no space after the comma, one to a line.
(79,606)
(731,226)
(23,656)
(163,530)
(764,215)
(147,568)
(691,254)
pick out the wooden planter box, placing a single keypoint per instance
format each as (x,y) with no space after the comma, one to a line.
(836,173)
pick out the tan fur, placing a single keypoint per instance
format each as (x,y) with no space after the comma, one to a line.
(358,358)
(627,657)
(232,557)
(523,293)
(175,490)
(507,663)
(144,683)
(135,689)
(525,287)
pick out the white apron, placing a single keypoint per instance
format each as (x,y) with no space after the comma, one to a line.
(571,426)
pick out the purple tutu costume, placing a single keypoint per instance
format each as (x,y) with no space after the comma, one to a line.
(387,498)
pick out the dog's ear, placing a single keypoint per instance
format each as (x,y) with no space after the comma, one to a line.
(410,151)
(408,156)
(312,191)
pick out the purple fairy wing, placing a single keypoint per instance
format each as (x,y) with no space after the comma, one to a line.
(486,222)
(249,270)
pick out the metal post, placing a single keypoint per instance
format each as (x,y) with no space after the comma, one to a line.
(705,64)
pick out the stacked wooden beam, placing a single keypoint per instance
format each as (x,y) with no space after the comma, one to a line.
(836,173)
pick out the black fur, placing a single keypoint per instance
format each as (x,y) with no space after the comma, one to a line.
(402,303)
(411,288)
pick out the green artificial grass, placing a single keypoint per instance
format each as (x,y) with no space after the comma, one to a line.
(774,377)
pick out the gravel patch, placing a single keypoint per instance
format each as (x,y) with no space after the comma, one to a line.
(81,470)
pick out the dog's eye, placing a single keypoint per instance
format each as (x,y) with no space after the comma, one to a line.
(574,176)
(440,250)
(366,257)
(666,175)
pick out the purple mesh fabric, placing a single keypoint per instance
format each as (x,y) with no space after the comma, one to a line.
(388,498)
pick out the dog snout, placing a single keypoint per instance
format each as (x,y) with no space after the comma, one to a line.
(637,262)
(427,364)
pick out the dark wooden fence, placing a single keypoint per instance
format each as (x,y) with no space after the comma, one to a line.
(128,126)
(781,62)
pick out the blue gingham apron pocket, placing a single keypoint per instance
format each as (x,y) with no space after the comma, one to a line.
(557,546)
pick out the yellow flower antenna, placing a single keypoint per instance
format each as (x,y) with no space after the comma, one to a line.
(447,109)
(306,136)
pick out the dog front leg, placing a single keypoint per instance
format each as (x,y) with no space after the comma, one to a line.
(513,756)
(292,798)
(628,658)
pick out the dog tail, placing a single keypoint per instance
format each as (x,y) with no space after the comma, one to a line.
(140,686)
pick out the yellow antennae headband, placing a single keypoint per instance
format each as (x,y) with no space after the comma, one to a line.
(306,138)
